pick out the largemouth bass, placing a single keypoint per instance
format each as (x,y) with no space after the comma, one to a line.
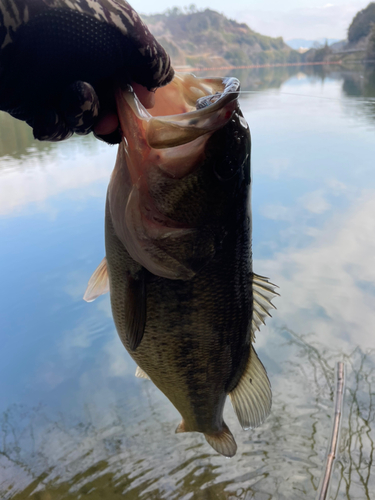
(178,264)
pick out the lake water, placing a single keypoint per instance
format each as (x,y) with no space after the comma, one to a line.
(76,423)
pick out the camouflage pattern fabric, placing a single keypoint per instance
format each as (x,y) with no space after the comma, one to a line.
(60,58)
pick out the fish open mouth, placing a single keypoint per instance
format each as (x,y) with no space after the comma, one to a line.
(167,142)
(184,110)
(173,134)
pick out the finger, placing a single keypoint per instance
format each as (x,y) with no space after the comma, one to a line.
(147,97)
(88,40)
(114,137)
(79,113)
(107,124)
(47,49)
(49,126)
(108,121)
(80,107)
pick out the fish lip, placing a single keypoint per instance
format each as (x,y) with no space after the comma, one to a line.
(230,91)
(127,93)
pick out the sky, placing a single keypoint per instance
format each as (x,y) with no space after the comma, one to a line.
(307,19)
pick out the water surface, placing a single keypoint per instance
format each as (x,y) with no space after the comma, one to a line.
(74,421)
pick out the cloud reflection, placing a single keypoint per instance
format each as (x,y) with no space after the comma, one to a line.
(327,287)
(315,202)
(72,171)
(127,449)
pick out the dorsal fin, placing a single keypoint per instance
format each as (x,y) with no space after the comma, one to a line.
(98,283)
(263,293)
(141,374)
(252,396)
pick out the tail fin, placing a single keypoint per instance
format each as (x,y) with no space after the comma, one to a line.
(223,442)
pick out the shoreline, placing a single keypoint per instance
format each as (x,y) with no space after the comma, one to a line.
(185,69)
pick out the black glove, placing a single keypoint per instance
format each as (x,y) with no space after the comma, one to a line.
(60,60)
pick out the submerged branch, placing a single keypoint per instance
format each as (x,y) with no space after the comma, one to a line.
(333,445)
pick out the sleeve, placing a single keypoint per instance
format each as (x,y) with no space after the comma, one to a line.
(58,56)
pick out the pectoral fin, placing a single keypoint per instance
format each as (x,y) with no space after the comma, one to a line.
(135,309)
(98,283)
(252,396)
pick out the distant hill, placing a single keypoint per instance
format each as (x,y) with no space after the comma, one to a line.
(370,51)
(297,43)
(362,24)
(361,33)
(338,46)
(360,45)
(209,39)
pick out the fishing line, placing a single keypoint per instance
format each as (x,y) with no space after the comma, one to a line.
(275,93)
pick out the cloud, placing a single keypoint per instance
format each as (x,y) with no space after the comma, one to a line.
(118,362)
(315,202)
(277,212)
(81,337)
(277,166)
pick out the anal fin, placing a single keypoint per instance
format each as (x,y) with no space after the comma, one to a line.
(223,442)
(252,396)
(98,283)
(141,374)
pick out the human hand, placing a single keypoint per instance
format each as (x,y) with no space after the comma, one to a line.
(60,61)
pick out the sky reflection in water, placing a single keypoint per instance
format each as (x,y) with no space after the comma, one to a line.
(74,419)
